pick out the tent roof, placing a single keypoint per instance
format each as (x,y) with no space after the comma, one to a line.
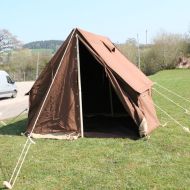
(115,60)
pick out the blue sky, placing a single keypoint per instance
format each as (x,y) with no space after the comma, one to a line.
(32,20)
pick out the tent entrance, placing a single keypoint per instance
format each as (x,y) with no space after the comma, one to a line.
(103,112)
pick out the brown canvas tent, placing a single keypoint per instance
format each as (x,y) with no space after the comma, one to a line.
(87,76)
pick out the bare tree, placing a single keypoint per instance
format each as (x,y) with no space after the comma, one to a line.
(129,49)
(8,41)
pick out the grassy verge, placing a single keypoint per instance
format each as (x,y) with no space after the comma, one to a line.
(162,162)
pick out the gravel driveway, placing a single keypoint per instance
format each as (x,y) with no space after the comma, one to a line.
(11,107)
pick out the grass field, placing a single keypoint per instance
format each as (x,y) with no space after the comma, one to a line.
(162,162)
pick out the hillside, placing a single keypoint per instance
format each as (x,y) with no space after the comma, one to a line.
(47,44)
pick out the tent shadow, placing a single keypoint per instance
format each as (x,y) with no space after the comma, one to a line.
(2,188)
(14,129)
(98,127)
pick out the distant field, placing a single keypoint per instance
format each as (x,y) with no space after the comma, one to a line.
(43,50)
(162,162)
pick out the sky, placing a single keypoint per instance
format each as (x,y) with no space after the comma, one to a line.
(33,20)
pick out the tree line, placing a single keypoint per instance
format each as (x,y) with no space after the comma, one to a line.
(47,44)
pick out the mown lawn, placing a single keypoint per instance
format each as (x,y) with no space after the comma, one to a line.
(162,162)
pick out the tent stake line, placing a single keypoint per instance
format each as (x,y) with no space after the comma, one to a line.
(3,123)
(186,129)
(174,93)
(10,122)
(161,94)
(9,184)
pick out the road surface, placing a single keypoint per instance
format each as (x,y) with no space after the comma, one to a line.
(11,107)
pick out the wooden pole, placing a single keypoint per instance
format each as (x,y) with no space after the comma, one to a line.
(139,55)
(79,87)
(37,65)
(146,36)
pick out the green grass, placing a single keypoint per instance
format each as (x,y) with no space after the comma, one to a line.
(162,162)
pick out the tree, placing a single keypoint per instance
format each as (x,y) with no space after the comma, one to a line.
(129,49)
(8,41)
(22,64)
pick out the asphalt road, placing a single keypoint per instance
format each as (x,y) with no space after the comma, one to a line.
(11,107)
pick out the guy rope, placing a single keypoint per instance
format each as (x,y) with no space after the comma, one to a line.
(186,129)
